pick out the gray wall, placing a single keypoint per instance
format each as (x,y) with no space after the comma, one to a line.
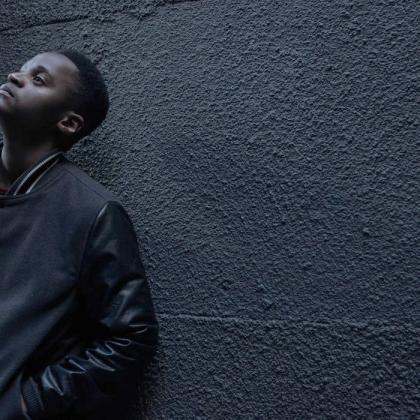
(266,151)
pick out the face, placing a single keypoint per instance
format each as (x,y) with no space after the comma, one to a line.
(39,91)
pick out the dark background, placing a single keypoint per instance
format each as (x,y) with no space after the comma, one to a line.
(266,151)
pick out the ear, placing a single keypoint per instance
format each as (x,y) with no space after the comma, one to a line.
(71,123)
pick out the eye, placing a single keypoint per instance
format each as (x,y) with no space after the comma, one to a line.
(39,79)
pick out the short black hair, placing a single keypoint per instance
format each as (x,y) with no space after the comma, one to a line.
(90,99)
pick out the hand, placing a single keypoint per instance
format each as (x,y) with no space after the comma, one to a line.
(23,405)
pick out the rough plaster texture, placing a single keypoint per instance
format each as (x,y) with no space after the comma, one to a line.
(268,154)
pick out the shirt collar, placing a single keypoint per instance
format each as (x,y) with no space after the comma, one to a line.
(31,176)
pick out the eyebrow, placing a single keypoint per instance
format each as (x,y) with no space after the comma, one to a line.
(39,67)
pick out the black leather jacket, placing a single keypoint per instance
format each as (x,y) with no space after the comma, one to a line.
(102,330)
(115,330)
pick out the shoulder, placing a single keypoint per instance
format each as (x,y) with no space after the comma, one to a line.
(80,197)
(84,189)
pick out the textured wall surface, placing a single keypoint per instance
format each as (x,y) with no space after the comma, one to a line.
(267,152)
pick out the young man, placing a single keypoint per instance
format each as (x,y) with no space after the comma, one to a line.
(77,322)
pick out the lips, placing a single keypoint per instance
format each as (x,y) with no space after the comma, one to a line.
(7,89)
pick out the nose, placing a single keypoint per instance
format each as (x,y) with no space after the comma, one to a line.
(16,79)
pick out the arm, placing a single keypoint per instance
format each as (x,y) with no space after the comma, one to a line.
(117,301)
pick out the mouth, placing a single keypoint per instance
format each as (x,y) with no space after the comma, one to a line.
(5,88)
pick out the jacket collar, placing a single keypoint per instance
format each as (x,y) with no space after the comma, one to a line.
(31,176)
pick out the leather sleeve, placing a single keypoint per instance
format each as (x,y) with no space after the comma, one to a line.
(117,300)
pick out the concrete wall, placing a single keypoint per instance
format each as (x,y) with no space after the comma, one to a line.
(266,151)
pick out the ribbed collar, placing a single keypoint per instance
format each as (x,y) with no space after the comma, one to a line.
(31,176)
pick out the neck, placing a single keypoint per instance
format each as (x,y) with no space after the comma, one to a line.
(18,154)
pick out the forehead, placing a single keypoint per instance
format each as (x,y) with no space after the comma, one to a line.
(57,65)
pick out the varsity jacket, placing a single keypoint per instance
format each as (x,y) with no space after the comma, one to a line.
(77,322)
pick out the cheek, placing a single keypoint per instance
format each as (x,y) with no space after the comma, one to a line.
(39,108)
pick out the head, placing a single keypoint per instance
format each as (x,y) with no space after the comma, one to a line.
(58,95)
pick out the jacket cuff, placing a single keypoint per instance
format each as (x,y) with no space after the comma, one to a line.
(34,405)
